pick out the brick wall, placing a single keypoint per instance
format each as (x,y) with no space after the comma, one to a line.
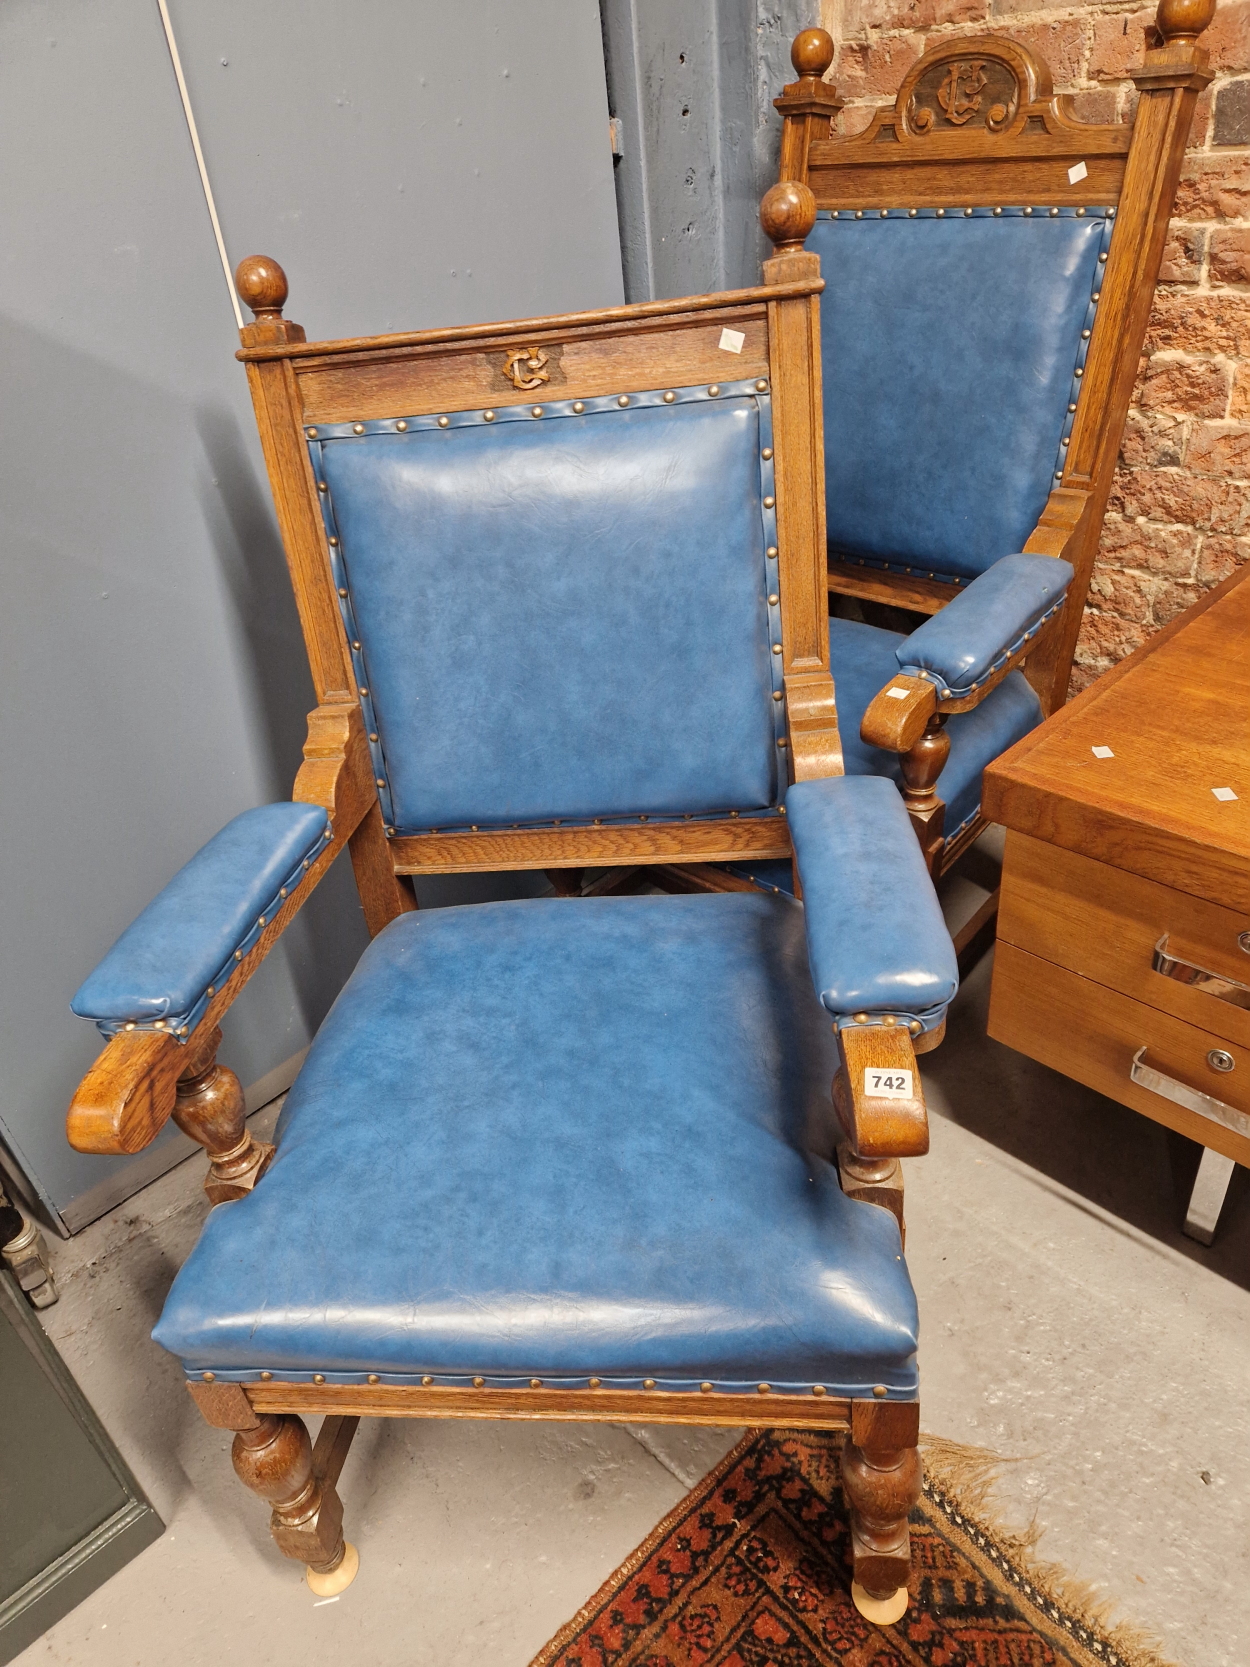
(1178,520)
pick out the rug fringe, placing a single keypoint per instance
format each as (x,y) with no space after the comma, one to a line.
(969,1476)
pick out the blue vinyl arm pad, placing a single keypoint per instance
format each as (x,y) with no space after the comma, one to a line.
(965,644)
(876,940)
(193,934)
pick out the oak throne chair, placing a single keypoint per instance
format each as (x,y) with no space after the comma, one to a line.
(562,588)
(989,264)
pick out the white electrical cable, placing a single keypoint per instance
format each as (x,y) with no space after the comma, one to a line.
(199,157)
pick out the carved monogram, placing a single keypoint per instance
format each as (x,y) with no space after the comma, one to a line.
(527,368)
(964,88)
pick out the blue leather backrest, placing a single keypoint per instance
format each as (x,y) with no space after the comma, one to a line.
(562,615)
(953,346)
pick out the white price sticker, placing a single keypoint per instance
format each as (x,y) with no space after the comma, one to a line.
(898,694)
(1077,172)
(888,1085)
(732,341)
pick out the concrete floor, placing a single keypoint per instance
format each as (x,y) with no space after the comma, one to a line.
(1067,1323)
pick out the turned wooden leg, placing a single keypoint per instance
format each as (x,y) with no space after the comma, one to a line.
(873,1181)
(921,768)
(210,1109)
(274,1458)
(881,1483)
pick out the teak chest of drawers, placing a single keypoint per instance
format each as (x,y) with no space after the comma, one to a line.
(1123,954)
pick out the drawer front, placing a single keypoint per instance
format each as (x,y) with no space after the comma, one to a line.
(1106,925)
(1095,1035)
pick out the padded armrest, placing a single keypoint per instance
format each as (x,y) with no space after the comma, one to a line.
(962,647)
(876,940)
(159,972)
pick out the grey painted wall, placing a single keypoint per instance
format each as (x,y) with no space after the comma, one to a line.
(410,164)
(692,83)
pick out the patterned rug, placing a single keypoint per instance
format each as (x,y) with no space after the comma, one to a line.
(752,1569)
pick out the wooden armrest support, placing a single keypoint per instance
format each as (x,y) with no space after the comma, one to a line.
(131,1090)
(899,715)
(878,1125)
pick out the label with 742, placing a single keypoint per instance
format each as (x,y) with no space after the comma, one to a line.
(888,1085)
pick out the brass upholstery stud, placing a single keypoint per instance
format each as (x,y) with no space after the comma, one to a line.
(372,736)
(782,741)
(941,213)
(622,399)
(334,543)
(358,428)
(997,212)
(578,407)
(356,646)
(763,1388)
(776,694)
(488,416)
(426,1381)
(767,454)
(911,214)
(478,1382)
(733,812)
(311,433)
(380,781)
(1110,214)
(776,648)
(238,954)
(364,691)
(212,989)
(593,1382)
(648,1383)
(184,1030)
(319,1377)
(769,502)
(402,427)
(774,599)
(879,1390)
(860,1018)
(473,827)
(130,1023)
(714,389)
(1079,371)
(536,1383)
(967,213)
(209,1377)
(761,387)
(1080,213)
(261,921)
(322,487)
(818,1389)
(342,590)
(266,1377)
(885,214)
(1084,335)
(536,410)
(859,214)
(373,1378)
(642,819)
(1028,211)
(443,422)
(771,552)
(1072,407)
(705,1388)
(669,397)
(1096,296)
(1054,213)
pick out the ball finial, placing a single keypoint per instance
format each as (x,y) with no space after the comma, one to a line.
(812,52)
(788,213)
(261,284)
(1183,20)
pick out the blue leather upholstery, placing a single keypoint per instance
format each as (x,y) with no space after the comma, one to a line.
(190,936)
(563,616)
(561,1138)
(953,353)
(963,645)
(876,940)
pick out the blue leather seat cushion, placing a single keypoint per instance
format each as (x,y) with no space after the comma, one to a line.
(864,662)
(562,1137)
(949,348)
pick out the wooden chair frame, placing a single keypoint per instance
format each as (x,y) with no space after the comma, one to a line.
(1015,153)
(143,1076)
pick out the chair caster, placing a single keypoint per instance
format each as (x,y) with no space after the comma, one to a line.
(881,1611)
(338,1579)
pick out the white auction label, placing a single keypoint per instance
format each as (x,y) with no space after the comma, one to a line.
(732,341)
(1077,172)
(898,694)
(888,1085)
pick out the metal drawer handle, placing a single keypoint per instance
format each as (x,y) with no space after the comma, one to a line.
(1193,1099)
(1210,983)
